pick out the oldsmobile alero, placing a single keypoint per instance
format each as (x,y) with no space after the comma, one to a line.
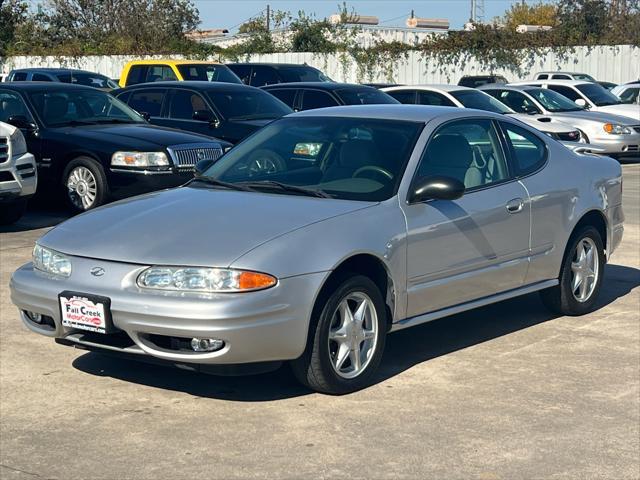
(360,221)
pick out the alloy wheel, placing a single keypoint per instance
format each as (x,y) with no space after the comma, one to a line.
(353,335)
(82,187)
(585,269)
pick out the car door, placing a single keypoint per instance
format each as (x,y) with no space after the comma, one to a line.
(571,93)
(263,75)
(188,110)
(312,99)
(478,245)
(285,95)
(149,101)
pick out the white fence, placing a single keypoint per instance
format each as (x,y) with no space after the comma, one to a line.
(610,63)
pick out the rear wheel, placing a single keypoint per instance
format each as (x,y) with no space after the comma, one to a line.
(84,184)
(580,277)
(346,339)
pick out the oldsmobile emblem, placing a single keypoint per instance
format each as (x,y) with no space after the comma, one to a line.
(97,271)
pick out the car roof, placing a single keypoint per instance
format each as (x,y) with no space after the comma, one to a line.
(414,113)
(44,86)
(437,87)
(571,83)
(56,70)
(506,86)
(170,61)
(274,65)
(562,72)
(194,85)
(493,75)
(329,86)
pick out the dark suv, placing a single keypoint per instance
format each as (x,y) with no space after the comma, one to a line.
(64,75)
(260,74)
(225,110)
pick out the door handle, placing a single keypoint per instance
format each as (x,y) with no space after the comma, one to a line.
(516,205)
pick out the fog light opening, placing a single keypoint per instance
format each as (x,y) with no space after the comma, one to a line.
(33,316)
(206,344)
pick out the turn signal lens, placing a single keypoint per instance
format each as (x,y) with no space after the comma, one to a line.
(615,129)
(211,280)
(255,281)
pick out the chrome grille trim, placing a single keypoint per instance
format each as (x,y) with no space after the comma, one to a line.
(186,156)
(4,149)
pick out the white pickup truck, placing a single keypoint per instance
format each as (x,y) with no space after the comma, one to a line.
(18,174)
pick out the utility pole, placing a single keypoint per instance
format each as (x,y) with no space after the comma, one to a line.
(477,11)
(268,17)
(412,14)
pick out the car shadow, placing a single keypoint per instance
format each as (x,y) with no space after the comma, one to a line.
(404,349)
(39,215)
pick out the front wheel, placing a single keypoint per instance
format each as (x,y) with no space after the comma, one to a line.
(580,277)
(84,184)
(346,339)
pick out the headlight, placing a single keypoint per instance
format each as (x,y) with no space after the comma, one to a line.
(226,149)
(211,280)
(139,159)
(18,143)
(50,261)
(615,129)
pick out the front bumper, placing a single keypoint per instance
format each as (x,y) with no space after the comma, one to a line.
(619,145)
(21,177)
(127,183)
(263,326)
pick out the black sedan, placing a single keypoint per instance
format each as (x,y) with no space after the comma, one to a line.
(93,148)
(225,110)
(309,95)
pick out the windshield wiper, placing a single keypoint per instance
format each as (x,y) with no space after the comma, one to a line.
(287,188)
(219,183)
(72,123)
(115,120)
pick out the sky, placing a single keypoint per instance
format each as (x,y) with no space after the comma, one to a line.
(230,14)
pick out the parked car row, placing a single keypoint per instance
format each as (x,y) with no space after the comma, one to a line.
(92,147)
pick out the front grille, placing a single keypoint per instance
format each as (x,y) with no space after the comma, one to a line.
(4,149)
(186,156)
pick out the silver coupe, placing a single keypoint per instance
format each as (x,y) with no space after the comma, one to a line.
(317,236)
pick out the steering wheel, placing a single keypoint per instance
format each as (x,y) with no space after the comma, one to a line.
(375,169)
(264,162)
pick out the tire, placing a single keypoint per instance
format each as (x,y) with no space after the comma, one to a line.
(330,336)
(12,211)
(84,184)
(563,298)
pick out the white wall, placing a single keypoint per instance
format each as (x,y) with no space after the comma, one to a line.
(615,64)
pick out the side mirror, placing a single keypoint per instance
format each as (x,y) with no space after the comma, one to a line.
(22,122)
(437,187)
(203,165)
(581,102)
(203,116)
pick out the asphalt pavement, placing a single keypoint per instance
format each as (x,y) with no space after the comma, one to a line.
(508,391)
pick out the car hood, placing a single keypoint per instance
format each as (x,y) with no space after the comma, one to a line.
(544,123)
(134,134)
(190,226)
(589,115)
(626,110)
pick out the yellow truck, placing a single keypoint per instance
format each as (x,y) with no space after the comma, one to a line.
(145,71)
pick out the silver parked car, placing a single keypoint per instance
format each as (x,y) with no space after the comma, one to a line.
(315,237)
(616,135)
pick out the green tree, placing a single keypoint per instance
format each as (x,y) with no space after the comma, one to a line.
(525,14)
(12,14)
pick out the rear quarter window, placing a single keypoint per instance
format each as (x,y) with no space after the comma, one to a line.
(529,153)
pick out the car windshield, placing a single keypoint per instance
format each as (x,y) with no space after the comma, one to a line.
(302,74)
(345,158)
(599,95)
(364,96)
(553,101)
(208,73)
(249,104)
(584,77)
(481,101)
(94,80)
(79,107)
